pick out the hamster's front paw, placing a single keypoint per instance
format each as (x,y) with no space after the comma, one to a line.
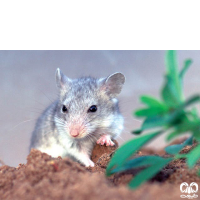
(89,163)
(85,159)
(105,139)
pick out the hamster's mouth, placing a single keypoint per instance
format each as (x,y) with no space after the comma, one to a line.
(85,136)
(76,131)
(81,132)
(78,135)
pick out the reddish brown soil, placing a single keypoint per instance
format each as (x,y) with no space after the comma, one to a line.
(44,177)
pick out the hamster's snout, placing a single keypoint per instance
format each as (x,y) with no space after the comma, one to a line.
(76,130)
(74,133)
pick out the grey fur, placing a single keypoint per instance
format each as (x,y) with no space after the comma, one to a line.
(51,134)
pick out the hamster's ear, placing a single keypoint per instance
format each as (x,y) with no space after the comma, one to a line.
(114,84)
(61,80)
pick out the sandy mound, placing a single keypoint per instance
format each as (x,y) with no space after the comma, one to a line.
(44,177)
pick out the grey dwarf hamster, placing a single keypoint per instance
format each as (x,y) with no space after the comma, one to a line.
(85,113)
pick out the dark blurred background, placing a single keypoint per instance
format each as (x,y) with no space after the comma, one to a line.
(27,85)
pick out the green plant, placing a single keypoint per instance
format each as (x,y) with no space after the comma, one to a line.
(173,115)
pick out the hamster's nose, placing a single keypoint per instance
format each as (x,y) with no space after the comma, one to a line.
(74,132)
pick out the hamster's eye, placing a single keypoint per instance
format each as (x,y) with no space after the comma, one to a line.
(64,109)
(92,109)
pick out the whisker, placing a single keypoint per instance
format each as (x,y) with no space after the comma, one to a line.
(46,96)
(91,119)
(21,123)
(121,138)
(92,137)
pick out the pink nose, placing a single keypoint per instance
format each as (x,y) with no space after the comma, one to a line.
(74,133)
(74,130)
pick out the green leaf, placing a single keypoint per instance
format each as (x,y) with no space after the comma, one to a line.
(196,133)
(133,163)
(150,112)
(142,161)
(174,149)
(193,156)
(149,172)
(169,93)
(156,121)
(152,102)
(137,131)
(173,135)
(153,122)
(155,107)
(194,113)
(190,101)
(179,156)
(172,118)
(171,64)
(187,64)
(128,149)
(172,92)
(172,73)
(184,127)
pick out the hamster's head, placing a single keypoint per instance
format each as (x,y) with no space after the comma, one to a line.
(87,106)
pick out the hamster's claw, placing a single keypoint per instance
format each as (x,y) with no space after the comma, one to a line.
(89,163)
(86,160)
(105,139)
